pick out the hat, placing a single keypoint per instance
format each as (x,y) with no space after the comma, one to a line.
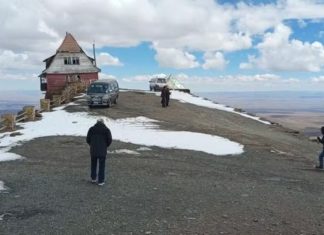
(101,120)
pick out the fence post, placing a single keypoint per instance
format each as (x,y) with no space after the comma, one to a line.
(9,121)
(67,94)
(57,100)
(29,112)
(45,104)
(63,96)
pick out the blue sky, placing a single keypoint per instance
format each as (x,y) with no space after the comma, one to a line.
(208,45)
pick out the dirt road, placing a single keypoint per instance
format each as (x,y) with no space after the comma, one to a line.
(270,189)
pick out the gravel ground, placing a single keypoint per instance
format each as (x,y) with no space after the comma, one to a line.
(270,189)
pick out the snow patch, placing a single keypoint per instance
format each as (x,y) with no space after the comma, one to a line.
(126,151)
(139,130)
(73,104)
(144,149)
(5,156)
(80,96)
(188,98)
(2,187)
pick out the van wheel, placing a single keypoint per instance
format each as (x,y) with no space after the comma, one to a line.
(109,103)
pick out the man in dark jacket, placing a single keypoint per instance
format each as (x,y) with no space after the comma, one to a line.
(321,156)
(165,95)
(99,138)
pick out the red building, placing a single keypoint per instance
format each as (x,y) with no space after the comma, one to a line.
(69,64)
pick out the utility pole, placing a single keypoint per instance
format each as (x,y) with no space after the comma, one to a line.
(94,53)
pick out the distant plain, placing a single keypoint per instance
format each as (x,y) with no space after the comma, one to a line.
(301,111)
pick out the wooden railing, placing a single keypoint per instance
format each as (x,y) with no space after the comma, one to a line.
(29,113)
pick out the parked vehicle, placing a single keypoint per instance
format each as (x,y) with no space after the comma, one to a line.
(103,92)
(156,84)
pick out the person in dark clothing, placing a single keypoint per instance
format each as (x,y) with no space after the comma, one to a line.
(321,156)
(165,95)
(99,138)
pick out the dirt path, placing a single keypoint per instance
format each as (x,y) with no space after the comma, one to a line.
(270,189)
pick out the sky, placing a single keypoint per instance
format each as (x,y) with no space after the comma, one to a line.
(208,45)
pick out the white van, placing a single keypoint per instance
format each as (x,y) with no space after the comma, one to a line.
(156,84)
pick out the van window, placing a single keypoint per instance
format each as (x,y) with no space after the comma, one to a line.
(161,80)
(97,88)
(111,87)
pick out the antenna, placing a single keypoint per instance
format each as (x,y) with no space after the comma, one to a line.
(94,53)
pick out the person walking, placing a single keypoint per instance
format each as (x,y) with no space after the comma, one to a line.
(167,95)
(99,138)
(163,97)
(321,156)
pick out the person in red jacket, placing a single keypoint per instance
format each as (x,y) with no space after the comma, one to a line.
(321,156)
(99,138)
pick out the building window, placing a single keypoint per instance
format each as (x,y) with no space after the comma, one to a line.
(75,60)
(67,60)
(71,60)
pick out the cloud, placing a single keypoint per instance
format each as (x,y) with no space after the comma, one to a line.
(143,77)
(257,78)
(137,78)
(302,9)
(279,53)
(107,59)
(256,82)
(256,19)
(106,76)
(236,80)
(128,23)
(18,66)
(17,76)
(179,28)
(12,60)
(319,79)
(181,76)
(214,61)
(44,28)
(291,81)
(175,58)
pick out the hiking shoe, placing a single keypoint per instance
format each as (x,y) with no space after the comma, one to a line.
(93,181)
(101,184)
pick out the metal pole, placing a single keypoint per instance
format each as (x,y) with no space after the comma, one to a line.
(94,53)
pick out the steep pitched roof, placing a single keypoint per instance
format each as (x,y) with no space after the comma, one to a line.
(69,44)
